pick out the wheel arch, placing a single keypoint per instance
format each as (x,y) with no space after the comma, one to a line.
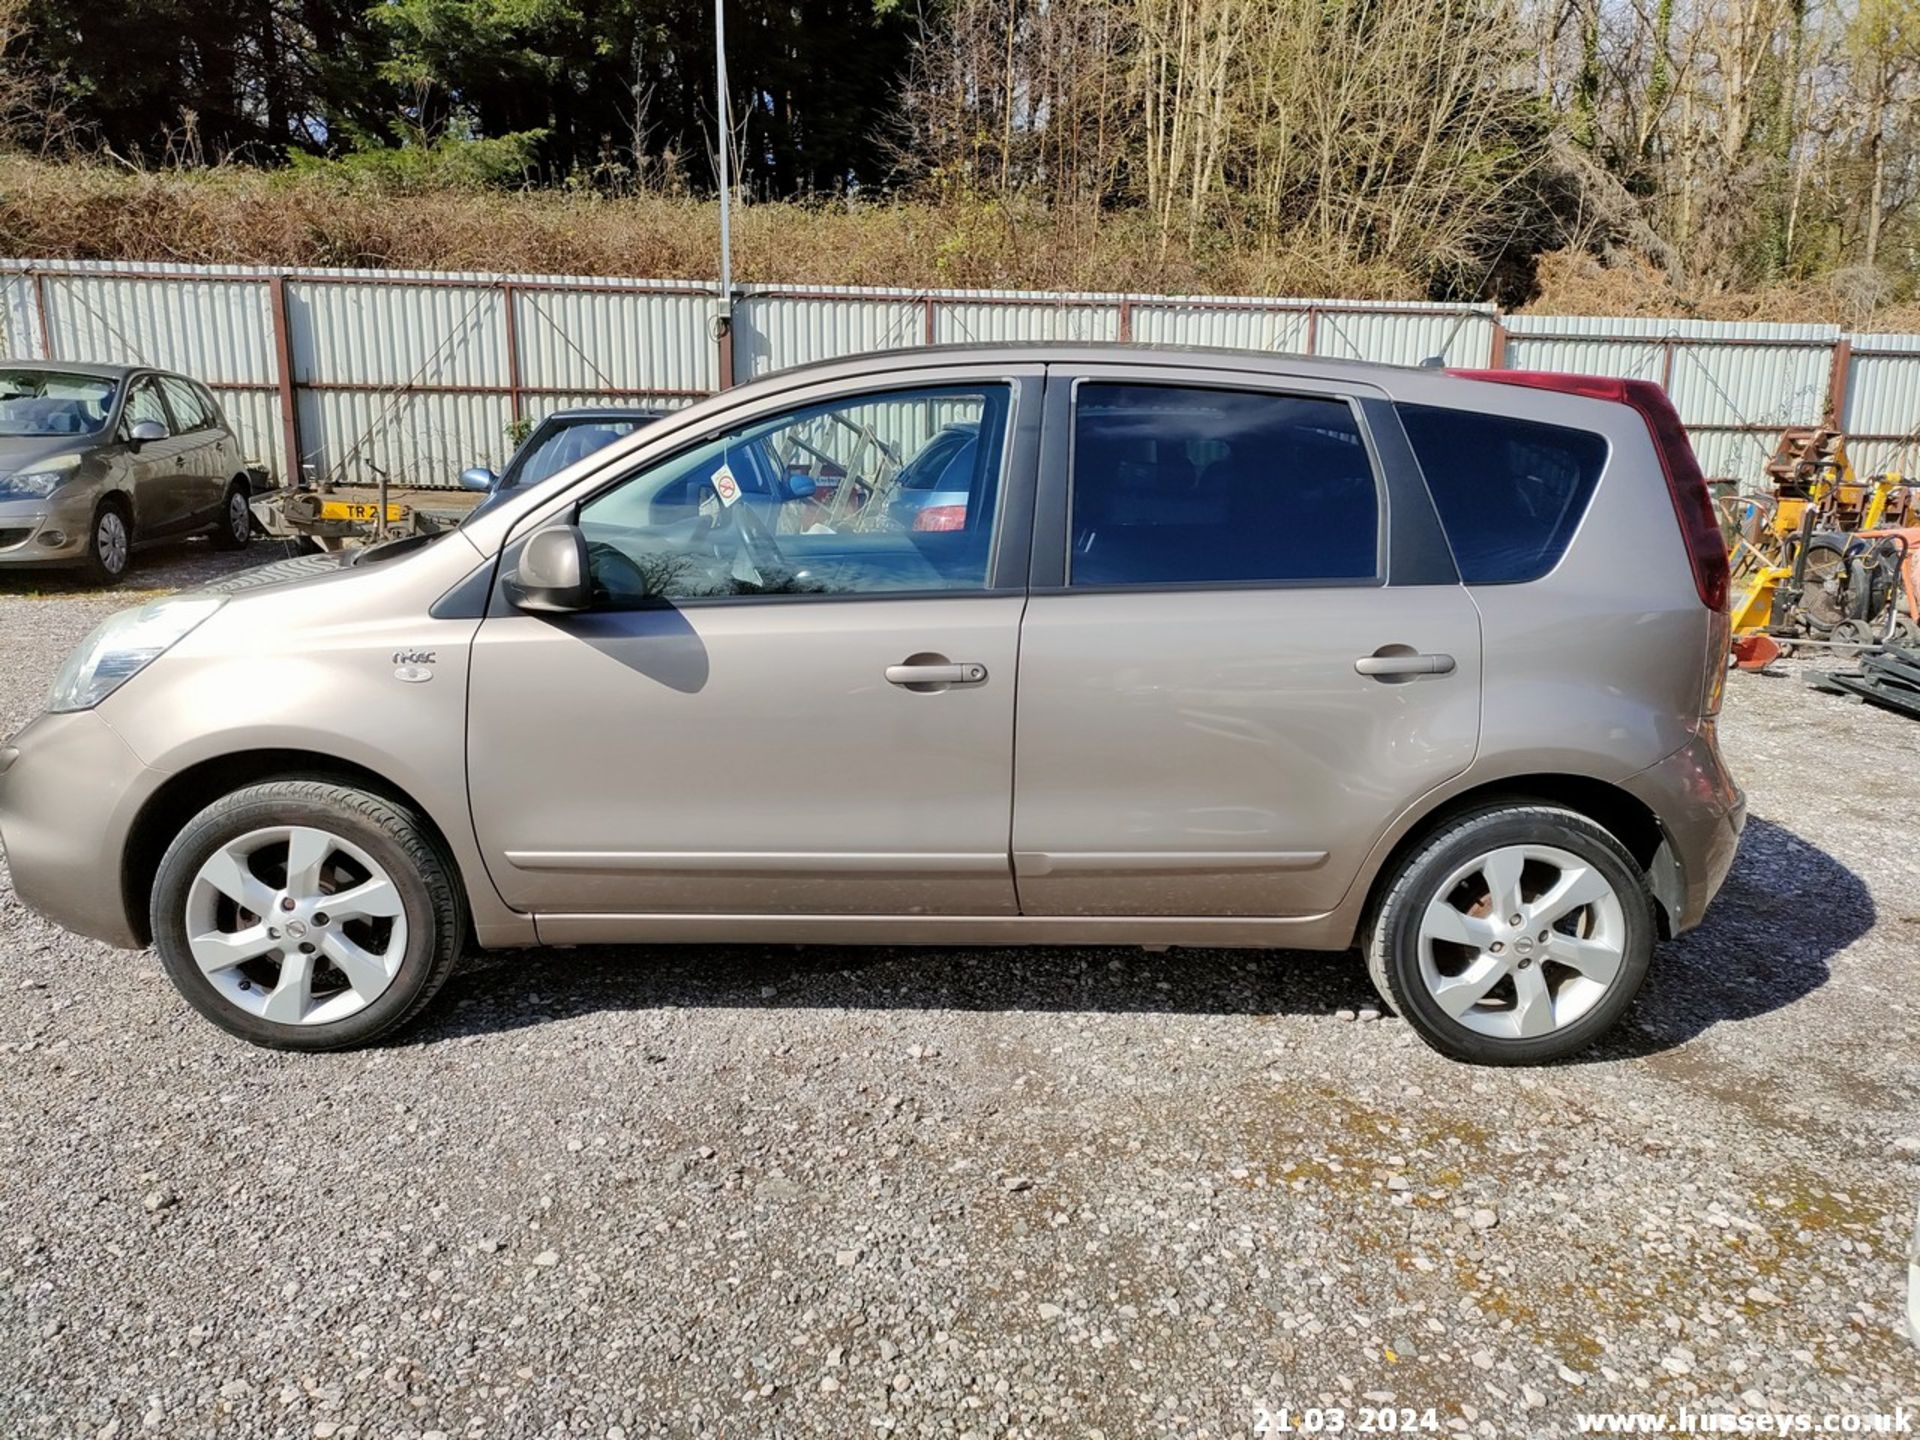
(118,497)
(191,790)
(1624,816)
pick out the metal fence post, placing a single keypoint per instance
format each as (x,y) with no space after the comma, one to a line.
(513,354)
(1837,381)
(40,314)
(283,361)
(723,341)
(1497,356)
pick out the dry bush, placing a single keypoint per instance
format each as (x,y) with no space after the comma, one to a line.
(95,210)
(1572,282)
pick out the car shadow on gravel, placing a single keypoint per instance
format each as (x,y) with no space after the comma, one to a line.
(1786,908)
(507,990)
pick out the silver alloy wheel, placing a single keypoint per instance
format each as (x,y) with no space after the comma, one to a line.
(110,541)
(239,515)
(1522,941)
(296,925)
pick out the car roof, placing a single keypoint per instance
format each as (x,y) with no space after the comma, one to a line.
(75,367)
(606,412)
(1071,352)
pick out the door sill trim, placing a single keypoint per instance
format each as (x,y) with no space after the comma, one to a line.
(1030,864)
(761,862)
(1302,932)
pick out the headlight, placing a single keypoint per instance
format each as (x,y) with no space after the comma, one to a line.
(30,484)
(123,645)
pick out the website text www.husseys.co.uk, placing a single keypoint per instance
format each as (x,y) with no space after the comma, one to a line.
(1761,1422)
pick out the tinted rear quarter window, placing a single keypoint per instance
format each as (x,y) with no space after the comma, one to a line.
(1176,485)
(1510,492)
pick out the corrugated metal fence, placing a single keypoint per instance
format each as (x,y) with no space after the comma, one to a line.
(421,374)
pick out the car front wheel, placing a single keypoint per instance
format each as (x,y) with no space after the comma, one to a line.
(1516,935)
(109,545)
(306,915)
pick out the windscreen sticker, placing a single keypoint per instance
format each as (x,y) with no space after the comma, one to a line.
(724,485)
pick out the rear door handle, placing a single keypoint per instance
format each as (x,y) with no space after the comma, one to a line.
(929,674)
(1387,666)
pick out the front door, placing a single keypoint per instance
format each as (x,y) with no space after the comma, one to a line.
(1222,699)
(784,700)
(163,484)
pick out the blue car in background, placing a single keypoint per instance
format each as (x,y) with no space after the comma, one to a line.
(557,442)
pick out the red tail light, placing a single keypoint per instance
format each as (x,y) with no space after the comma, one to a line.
(941,517)
(1692,505)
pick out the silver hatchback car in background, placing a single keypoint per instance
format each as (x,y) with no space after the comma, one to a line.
(96,459)
(1218,649)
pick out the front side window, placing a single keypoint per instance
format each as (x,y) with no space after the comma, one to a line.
(144,403)
(1187,485)
(52,402)
(810,502)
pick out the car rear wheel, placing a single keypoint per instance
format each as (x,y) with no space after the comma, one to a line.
(305,915)
(1517,935)
(236,519)
(109,545)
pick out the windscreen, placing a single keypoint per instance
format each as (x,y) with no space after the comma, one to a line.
(52,402)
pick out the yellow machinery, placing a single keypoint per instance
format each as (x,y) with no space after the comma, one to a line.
(1792,551)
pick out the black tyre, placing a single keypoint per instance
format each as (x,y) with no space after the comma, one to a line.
(110,544)
(235,528)
(307,915)
(1516,935)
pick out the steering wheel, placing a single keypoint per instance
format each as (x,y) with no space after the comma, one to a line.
(760,544)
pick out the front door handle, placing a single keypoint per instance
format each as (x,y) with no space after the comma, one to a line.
(1390,666)
(935,674)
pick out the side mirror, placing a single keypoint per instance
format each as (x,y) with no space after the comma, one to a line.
(552,576)
(479,478)
(145,430)
(801,487)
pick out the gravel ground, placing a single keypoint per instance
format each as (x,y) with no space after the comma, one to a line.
(938,1192)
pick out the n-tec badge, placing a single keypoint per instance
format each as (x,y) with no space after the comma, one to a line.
(413,674)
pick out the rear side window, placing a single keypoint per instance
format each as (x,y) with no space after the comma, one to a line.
(1185,485)
(1510,492)
(188,412)
(209,405)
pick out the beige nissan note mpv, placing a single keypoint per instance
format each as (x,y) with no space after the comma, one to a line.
(1168,647)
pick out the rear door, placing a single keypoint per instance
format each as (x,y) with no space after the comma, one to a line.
(202,461)
(1245,649)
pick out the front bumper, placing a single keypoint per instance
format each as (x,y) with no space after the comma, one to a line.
(1702,813)
(52,531)
(69,791)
